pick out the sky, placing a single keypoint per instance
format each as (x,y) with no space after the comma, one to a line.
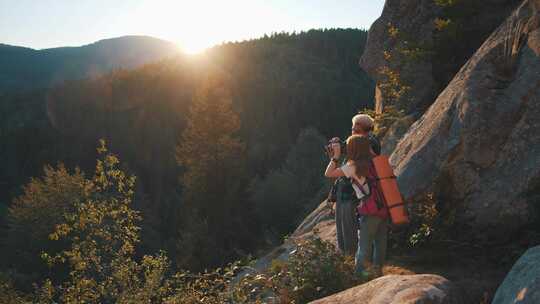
(192,25)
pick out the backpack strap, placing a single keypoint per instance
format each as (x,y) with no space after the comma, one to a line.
(361,187)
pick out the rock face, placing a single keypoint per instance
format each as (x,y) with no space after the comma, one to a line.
(394,289)
(478,145)
(426,75)
(426,57)
(395,133)
(416,17)
(522,284)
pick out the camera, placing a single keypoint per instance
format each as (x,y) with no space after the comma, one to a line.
(328,147)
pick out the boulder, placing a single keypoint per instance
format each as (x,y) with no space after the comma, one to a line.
(478,146)
(397,289)
(522,284)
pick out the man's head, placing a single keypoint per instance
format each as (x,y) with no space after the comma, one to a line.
(362,124)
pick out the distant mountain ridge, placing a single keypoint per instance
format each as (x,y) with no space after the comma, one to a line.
(26,68)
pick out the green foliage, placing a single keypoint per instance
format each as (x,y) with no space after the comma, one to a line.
(214,176)
(446,3)
(395,90)
(430,222)
(285,195)
(102,230)
(35,214)
(276,201)
(425,217)
(384,120)
(8,294)
(208,287)
(404,52)
(314,270)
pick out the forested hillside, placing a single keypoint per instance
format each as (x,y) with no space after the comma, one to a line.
(26,68)
(226,146)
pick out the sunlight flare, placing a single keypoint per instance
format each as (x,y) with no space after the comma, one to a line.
(198,25)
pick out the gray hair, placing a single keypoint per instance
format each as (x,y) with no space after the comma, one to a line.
(364,120)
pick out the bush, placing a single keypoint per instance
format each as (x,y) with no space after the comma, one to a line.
(8,295)
(34,215)
(429,223)
(102,232)
(314,270)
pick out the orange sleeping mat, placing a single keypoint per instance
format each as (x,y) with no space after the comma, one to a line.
(388,185)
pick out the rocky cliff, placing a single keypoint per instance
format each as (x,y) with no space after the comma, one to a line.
(407,17)
(478,146)
(416,47)
(426,54)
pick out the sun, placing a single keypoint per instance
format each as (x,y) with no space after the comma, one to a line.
(194,44)
(198,25)
(189,24)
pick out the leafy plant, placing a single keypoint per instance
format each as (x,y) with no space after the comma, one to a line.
(313,270)
(102,230)
(34,215)
(385,119)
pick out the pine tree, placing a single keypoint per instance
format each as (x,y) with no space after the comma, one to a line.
(213,162)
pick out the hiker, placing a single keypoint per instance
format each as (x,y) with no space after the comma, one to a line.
(362,124)
(345,212)
(372,238)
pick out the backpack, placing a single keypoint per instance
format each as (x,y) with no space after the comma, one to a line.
(373,201)
(384,191)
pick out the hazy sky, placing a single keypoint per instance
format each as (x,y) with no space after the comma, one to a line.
(193,25)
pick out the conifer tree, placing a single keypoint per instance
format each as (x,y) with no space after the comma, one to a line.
(213,162)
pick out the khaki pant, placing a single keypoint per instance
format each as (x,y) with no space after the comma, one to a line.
(372,243)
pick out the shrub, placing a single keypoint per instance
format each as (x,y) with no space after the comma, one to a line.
(429,223)
(34,215)
(314,270)
(8,295)
(102,232)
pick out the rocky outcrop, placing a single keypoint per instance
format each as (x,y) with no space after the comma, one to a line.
(478,145)
(522,284)
(423,57)
(427,74)
(416,17)
(394,289)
